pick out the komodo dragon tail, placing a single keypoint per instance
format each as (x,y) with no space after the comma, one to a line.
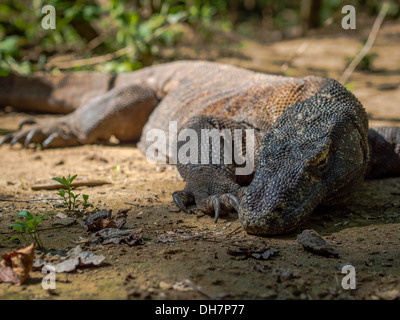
(52,93)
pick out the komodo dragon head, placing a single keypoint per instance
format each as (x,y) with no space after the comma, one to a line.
(316,149)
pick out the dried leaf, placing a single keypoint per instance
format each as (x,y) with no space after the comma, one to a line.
(39,264)
(133,237)
(103,219)
(8,275)
(16,265)
(68,265)
(120,218)
(78,258)
(99,220)
(260,253)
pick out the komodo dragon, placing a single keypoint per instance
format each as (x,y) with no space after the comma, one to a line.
(311,137)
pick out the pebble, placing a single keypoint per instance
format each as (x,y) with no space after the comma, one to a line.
(61,215)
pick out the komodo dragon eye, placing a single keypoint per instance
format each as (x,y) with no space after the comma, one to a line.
(322,163)
(322,159)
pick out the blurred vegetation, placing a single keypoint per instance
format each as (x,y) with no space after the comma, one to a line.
(127,35)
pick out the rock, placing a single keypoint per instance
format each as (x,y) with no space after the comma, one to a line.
(68,221)
(61,215)
(313,242)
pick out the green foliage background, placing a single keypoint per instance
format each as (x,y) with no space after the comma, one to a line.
(87,29)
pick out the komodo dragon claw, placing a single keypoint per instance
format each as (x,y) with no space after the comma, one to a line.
(26,121)
(178,202)
(217,207)
(183,199)
(225,203)
(234,202)
(6,138)
(11,136)
(218,204)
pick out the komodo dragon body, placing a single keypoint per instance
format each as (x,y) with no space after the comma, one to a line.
(311,139)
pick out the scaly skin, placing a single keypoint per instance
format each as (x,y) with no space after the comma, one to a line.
(311,142)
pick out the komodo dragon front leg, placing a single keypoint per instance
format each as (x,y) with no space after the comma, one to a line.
(217,181)
(97,120)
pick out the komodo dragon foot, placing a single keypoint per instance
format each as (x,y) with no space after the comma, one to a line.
(95,121)
(220,205)
(52,133)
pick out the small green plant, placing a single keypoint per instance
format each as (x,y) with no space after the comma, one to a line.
(116,170)
(69,198)
(28,229)
(85,203)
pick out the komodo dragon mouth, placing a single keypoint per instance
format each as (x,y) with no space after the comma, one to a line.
(280,220)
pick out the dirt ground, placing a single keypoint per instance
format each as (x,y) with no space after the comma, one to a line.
(364,230)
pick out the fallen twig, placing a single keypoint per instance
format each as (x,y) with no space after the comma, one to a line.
(32,200)
(75,184)
(368,45)
(41,229)
(89,61)
(233,231)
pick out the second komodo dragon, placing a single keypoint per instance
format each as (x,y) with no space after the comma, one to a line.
(311,136)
